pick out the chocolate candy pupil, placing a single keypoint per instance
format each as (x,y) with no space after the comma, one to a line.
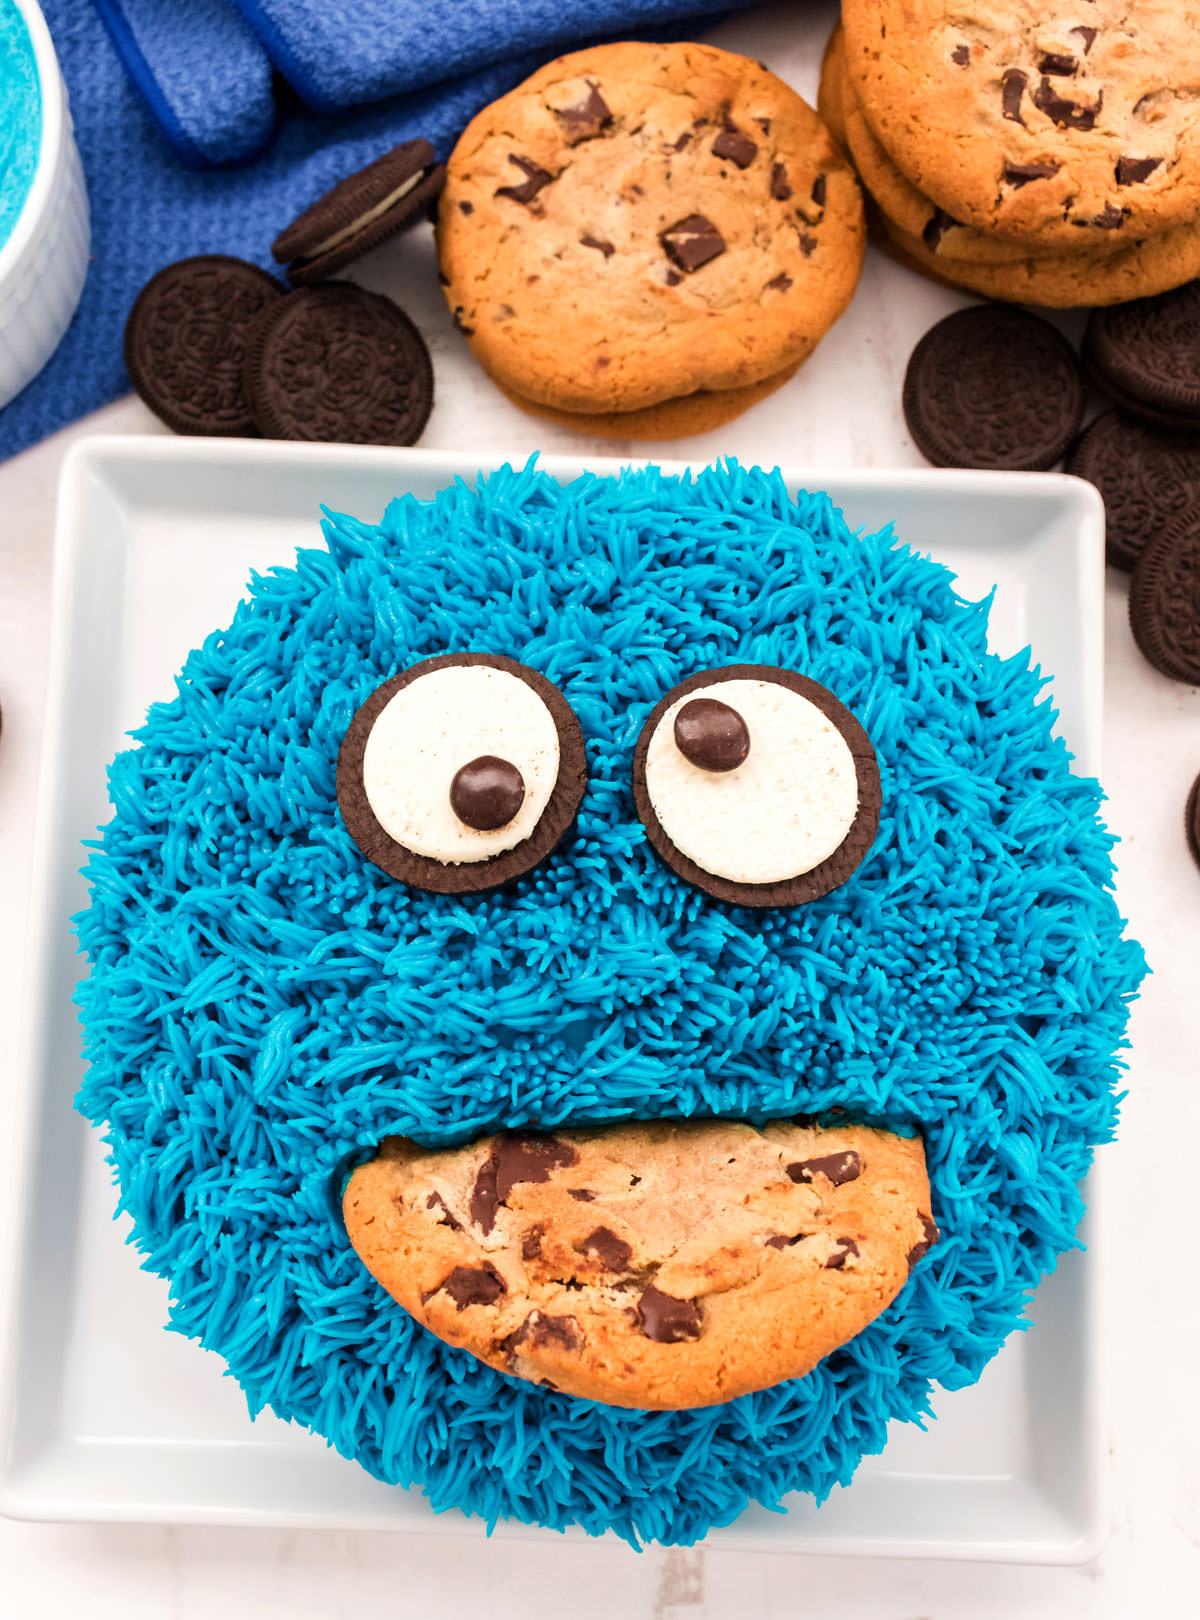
(711,735)
(487,793)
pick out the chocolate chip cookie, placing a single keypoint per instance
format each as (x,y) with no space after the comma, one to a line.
(656,1264)
(636,223)
(1150,265)
(1054,126)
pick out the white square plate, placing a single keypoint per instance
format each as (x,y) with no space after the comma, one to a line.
(103,1416)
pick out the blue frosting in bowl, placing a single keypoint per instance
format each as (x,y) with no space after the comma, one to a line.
(20,117)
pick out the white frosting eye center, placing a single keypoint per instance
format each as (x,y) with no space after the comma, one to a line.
(786,808)
(435,726)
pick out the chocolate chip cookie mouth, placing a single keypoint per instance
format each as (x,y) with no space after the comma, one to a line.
(655,1264)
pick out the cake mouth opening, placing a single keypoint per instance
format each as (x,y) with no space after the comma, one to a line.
(656,1264)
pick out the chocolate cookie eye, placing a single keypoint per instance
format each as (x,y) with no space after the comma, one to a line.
(757,785)
(461,773)
(487,793)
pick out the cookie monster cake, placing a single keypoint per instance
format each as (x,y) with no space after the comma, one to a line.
(278,1006)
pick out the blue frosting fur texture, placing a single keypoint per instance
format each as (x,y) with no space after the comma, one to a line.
(263,1005)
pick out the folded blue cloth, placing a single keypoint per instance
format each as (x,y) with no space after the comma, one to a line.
(149,207)
(204,76)
(339,56)
(205,69)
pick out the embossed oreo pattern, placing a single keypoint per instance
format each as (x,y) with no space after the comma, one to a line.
(1150,350)
(993,388)
(186,339)
(658,1264)
(1146,475)
(1164,599)
(341,366)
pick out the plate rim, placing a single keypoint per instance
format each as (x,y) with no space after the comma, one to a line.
(85,463)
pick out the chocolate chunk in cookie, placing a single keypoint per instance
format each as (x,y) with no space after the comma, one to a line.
(699,1267)
(389,195)
(535,178)
(1164,599)
(186,340)
(692,242)
(1146,474)
(994,388)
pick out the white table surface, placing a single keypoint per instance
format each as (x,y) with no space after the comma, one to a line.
(843,408)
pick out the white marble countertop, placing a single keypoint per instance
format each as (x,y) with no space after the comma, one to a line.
(842,409)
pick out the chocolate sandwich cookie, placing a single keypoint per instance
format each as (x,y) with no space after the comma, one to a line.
(338,365)
(640,223)
(1164,599)
(660,1264)
(1147,355)
(994,388)
(1146,475)
(387,196)
(1191,820)
(461,773)
(756,785)
(186,338)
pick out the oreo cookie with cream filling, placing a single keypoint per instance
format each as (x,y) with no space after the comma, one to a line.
(389,195)
(757,786)
(461,773)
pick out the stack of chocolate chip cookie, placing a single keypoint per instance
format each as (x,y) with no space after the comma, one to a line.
(1044,154)
(642,240)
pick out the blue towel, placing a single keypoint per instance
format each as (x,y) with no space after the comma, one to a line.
(149,206)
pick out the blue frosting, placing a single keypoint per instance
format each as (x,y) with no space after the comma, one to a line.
(20,117)
(263,1005)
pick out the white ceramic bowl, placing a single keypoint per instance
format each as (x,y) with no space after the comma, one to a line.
(45,260)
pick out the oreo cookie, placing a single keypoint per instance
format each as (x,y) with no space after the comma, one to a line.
(718,744)
(473,804)
(338,365)
(390,194)
(186,340)
(994,388)
(1146,354)
(1164,599)
(1191,820)
(1146,475)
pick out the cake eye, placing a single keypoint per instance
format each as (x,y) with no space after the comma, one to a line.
(757,785)
(461,773)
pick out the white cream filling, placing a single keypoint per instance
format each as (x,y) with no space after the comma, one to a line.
(784,810)
(369,218)
(434,726)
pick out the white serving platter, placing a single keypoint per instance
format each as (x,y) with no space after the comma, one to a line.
(103,1416)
